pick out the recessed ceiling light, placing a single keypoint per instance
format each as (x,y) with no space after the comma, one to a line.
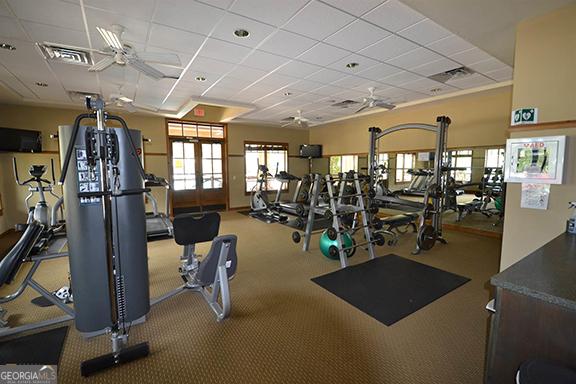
(40,84)
(7,46)
(200,78)
(435,90)
(287,93)
(242,33)
(352,65)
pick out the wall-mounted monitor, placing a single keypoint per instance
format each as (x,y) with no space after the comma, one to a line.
(311,151)
(20,140)
(536,160)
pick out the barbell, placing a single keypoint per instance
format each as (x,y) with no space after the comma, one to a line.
(378,238)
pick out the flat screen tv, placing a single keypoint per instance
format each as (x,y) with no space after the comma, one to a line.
(311,151)
(20,140)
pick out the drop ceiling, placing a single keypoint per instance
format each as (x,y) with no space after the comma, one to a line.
(294,58)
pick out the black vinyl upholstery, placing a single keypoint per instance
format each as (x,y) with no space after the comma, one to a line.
(11,263)
(192,228)
(209,265)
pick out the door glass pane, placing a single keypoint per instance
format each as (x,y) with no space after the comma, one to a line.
(190,166)
(207,181)
(217,151)
(189,150)
(174,129)
(204,131)
(206,166)
(191,183)
(177,149)
(218,181)
(206,151)
(217,166)
(178,165)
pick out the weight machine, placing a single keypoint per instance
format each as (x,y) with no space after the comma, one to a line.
(430,225)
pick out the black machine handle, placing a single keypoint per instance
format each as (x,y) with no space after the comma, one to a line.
(133,150)
(126,192)
(70,148)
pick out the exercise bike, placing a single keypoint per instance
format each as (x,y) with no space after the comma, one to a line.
(259,203)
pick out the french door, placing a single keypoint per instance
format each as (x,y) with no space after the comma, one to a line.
(198,174)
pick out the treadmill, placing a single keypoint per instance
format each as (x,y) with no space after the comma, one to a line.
(158,224)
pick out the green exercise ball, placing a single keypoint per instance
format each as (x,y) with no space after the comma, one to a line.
(325,244)
(498,204)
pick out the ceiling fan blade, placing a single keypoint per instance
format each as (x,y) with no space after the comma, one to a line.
(144,68)
(168,59)
(110,38)
(287,124)
(362,108)
(144,107)
(383,104)
(129,107)
(102,64)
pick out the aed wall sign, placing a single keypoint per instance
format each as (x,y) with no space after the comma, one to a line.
(524,116)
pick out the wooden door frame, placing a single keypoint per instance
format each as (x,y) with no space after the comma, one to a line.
(224,157)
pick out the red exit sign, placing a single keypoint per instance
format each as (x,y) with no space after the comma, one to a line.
(199,112)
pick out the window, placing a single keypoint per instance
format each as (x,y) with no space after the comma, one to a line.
(183,165)
(404,162)
(274,156)
(383,160)
(494,158)
(461,159)
(343,163)
(191,129)
(211,165)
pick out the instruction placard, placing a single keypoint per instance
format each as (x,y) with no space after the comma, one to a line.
(535,196)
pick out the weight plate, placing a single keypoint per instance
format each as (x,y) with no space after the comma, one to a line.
(350,252)
(333,252)
(377,223)
(332,233)
(372,193)
(300,210)
(379,239)
(328,214)
(296,237)
(299,223)
(427,237)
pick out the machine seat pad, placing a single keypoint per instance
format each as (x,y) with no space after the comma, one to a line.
(208,266)
(193,228)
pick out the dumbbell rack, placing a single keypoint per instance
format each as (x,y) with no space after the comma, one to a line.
(337,208)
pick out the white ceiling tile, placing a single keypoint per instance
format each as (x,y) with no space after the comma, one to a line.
(184,57)
(414,58)
(423,85)
(450,45)
(188,15)
(362,61)
(276,80)
(230,23)
(502,74)
(60,13)
(9,28)
(400,78)
(224,4)
(205,65)
(318,21)
(10,82)
(175,39)
(298,69)
(305,85)
(224,51)
(44,32)
(134,30)
(425,32)
(470,56)
(75,77)
(434,67)
(328,90)
(357,35)
(137,9)
(393,16)
(229,82)
(355,7)
(441,89)
(379,71)
(119,74)
(476,80)
(326,76)
(4,11)
(323,54)
(352,94)
(250,74)
(196,87)
(271,12)
(287,44)
(264,60)
(388,48)
(221,93)
(351,82)
(487,65)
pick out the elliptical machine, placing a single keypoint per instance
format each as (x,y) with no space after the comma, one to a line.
(259,204)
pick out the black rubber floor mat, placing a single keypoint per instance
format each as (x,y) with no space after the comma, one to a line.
(43,348)
(391,287)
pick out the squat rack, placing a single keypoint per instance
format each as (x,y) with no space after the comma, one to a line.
(427,234)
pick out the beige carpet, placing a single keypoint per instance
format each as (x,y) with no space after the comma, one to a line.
(286,329)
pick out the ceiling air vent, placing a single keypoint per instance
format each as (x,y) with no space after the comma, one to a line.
(344,104)
(64,54)
(452,74)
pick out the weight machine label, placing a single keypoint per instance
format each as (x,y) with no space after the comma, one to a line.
(87,178)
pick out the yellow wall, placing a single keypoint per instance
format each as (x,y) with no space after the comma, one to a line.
(543,78)
(47,121)
(478,119)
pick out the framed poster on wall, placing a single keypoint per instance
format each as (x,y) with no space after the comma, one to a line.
(536,160)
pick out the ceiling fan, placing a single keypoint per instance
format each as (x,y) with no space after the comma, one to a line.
(374,102)
(120,53)
(296,120)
